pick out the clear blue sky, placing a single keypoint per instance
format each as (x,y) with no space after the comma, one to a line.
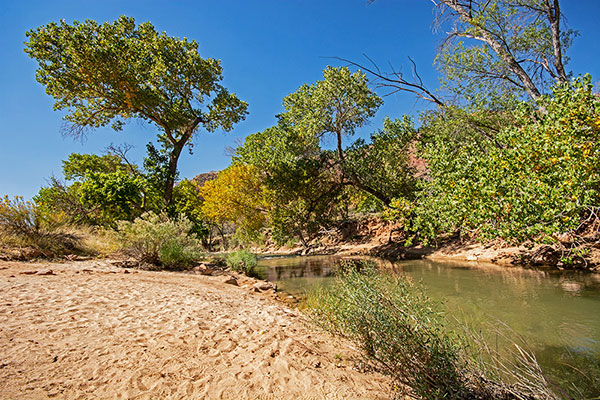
(268,49)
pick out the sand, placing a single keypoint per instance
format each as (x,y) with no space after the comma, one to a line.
(91,331)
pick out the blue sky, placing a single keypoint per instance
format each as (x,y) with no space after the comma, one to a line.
(268,49)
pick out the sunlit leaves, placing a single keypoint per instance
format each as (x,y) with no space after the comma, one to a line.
(105,74)
(543,181)
(237,195)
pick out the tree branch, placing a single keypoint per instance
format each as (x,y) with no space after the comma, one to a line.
(396,80)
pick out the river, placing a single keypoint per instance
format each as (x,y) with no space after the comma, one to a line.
(555,314)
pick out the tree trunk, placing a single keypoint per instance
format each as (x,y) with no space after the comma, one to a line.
(170,181)
(486,37)
(339,147)
(553,14)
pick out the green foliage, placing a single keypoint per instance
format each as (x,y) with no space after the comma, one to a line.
(242,261)
(338,104)
(158,240)
(79,166)
(176,254)
(536,180)
(116,196)
(306,187)
(108,73)
(300,190)
(104,189)
(59,198)
(501,49)
(188,201)
(156,171)
(402,211)
(382,166)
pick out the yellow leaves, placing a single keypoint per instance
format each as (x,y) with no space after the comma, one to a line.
(235,196)
(594,122)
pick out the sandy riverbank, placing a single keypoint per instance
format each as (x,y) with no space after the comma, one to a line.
(93,331)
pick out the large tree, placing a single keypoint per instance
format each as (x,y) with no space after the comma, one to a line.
(503,46)
(108,73)
(337,105)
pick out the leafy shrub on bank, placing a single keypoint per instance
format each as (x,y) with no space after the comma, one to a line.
(405,335)
(242,261)
(532,174)
(161,241)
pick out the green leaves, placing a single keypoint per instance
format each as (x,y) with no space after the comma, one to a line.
(383,165)
(541,181)
(500,50)
(105,74)
(338,104)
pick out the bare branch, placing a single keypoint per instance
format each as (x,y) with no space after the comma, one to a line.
(395,80)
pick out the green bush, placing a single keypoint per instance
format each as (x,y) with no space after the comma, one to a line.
(159,240)
(405,335)
(531,175)
(242,261)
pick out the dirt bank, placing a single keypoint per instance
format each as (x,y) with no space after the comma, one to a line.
(90,330)
(374,237)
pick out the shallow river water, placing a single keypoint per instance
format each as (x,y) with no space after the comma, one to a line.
(556,314)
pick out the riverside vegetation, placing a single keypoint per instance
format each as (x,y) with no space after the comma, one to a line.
(513,159)
(406,335)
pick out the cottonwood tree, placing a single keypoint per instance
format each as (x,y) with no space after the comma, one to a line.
(503,46)
(494,49)
(301,189)
(336,106)
(105,74)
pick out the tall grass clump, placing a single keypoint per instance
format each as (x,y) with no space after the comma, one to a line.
(405,335)
(159,240)
(242,261)
(24,226)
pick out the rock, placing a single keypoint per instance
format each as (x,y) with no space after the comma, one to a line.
(472,257)
(545,255)
(203,269)
(45,272)
(231,280)
(264,286)
(128,263)
(28,272)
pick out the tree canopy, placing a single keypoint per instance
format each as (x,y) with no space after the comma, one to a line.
(501,47)
(108,73)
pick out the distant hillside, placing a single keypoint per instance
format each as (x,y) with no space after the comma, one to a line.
(201,179)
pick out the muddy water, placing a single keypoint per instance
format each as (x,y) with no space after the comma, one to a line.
(556,314)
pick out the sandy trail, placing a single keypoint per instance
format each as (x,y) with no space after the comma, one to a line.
(93,331)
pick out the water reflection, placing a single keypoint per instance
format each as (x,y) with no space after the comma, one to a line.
(556,313)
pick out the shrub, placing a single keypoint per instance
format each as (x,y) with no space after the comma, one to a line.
(22,224)
(242,261)
(158,240)
(173,253)
(406,336)
(536,178)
